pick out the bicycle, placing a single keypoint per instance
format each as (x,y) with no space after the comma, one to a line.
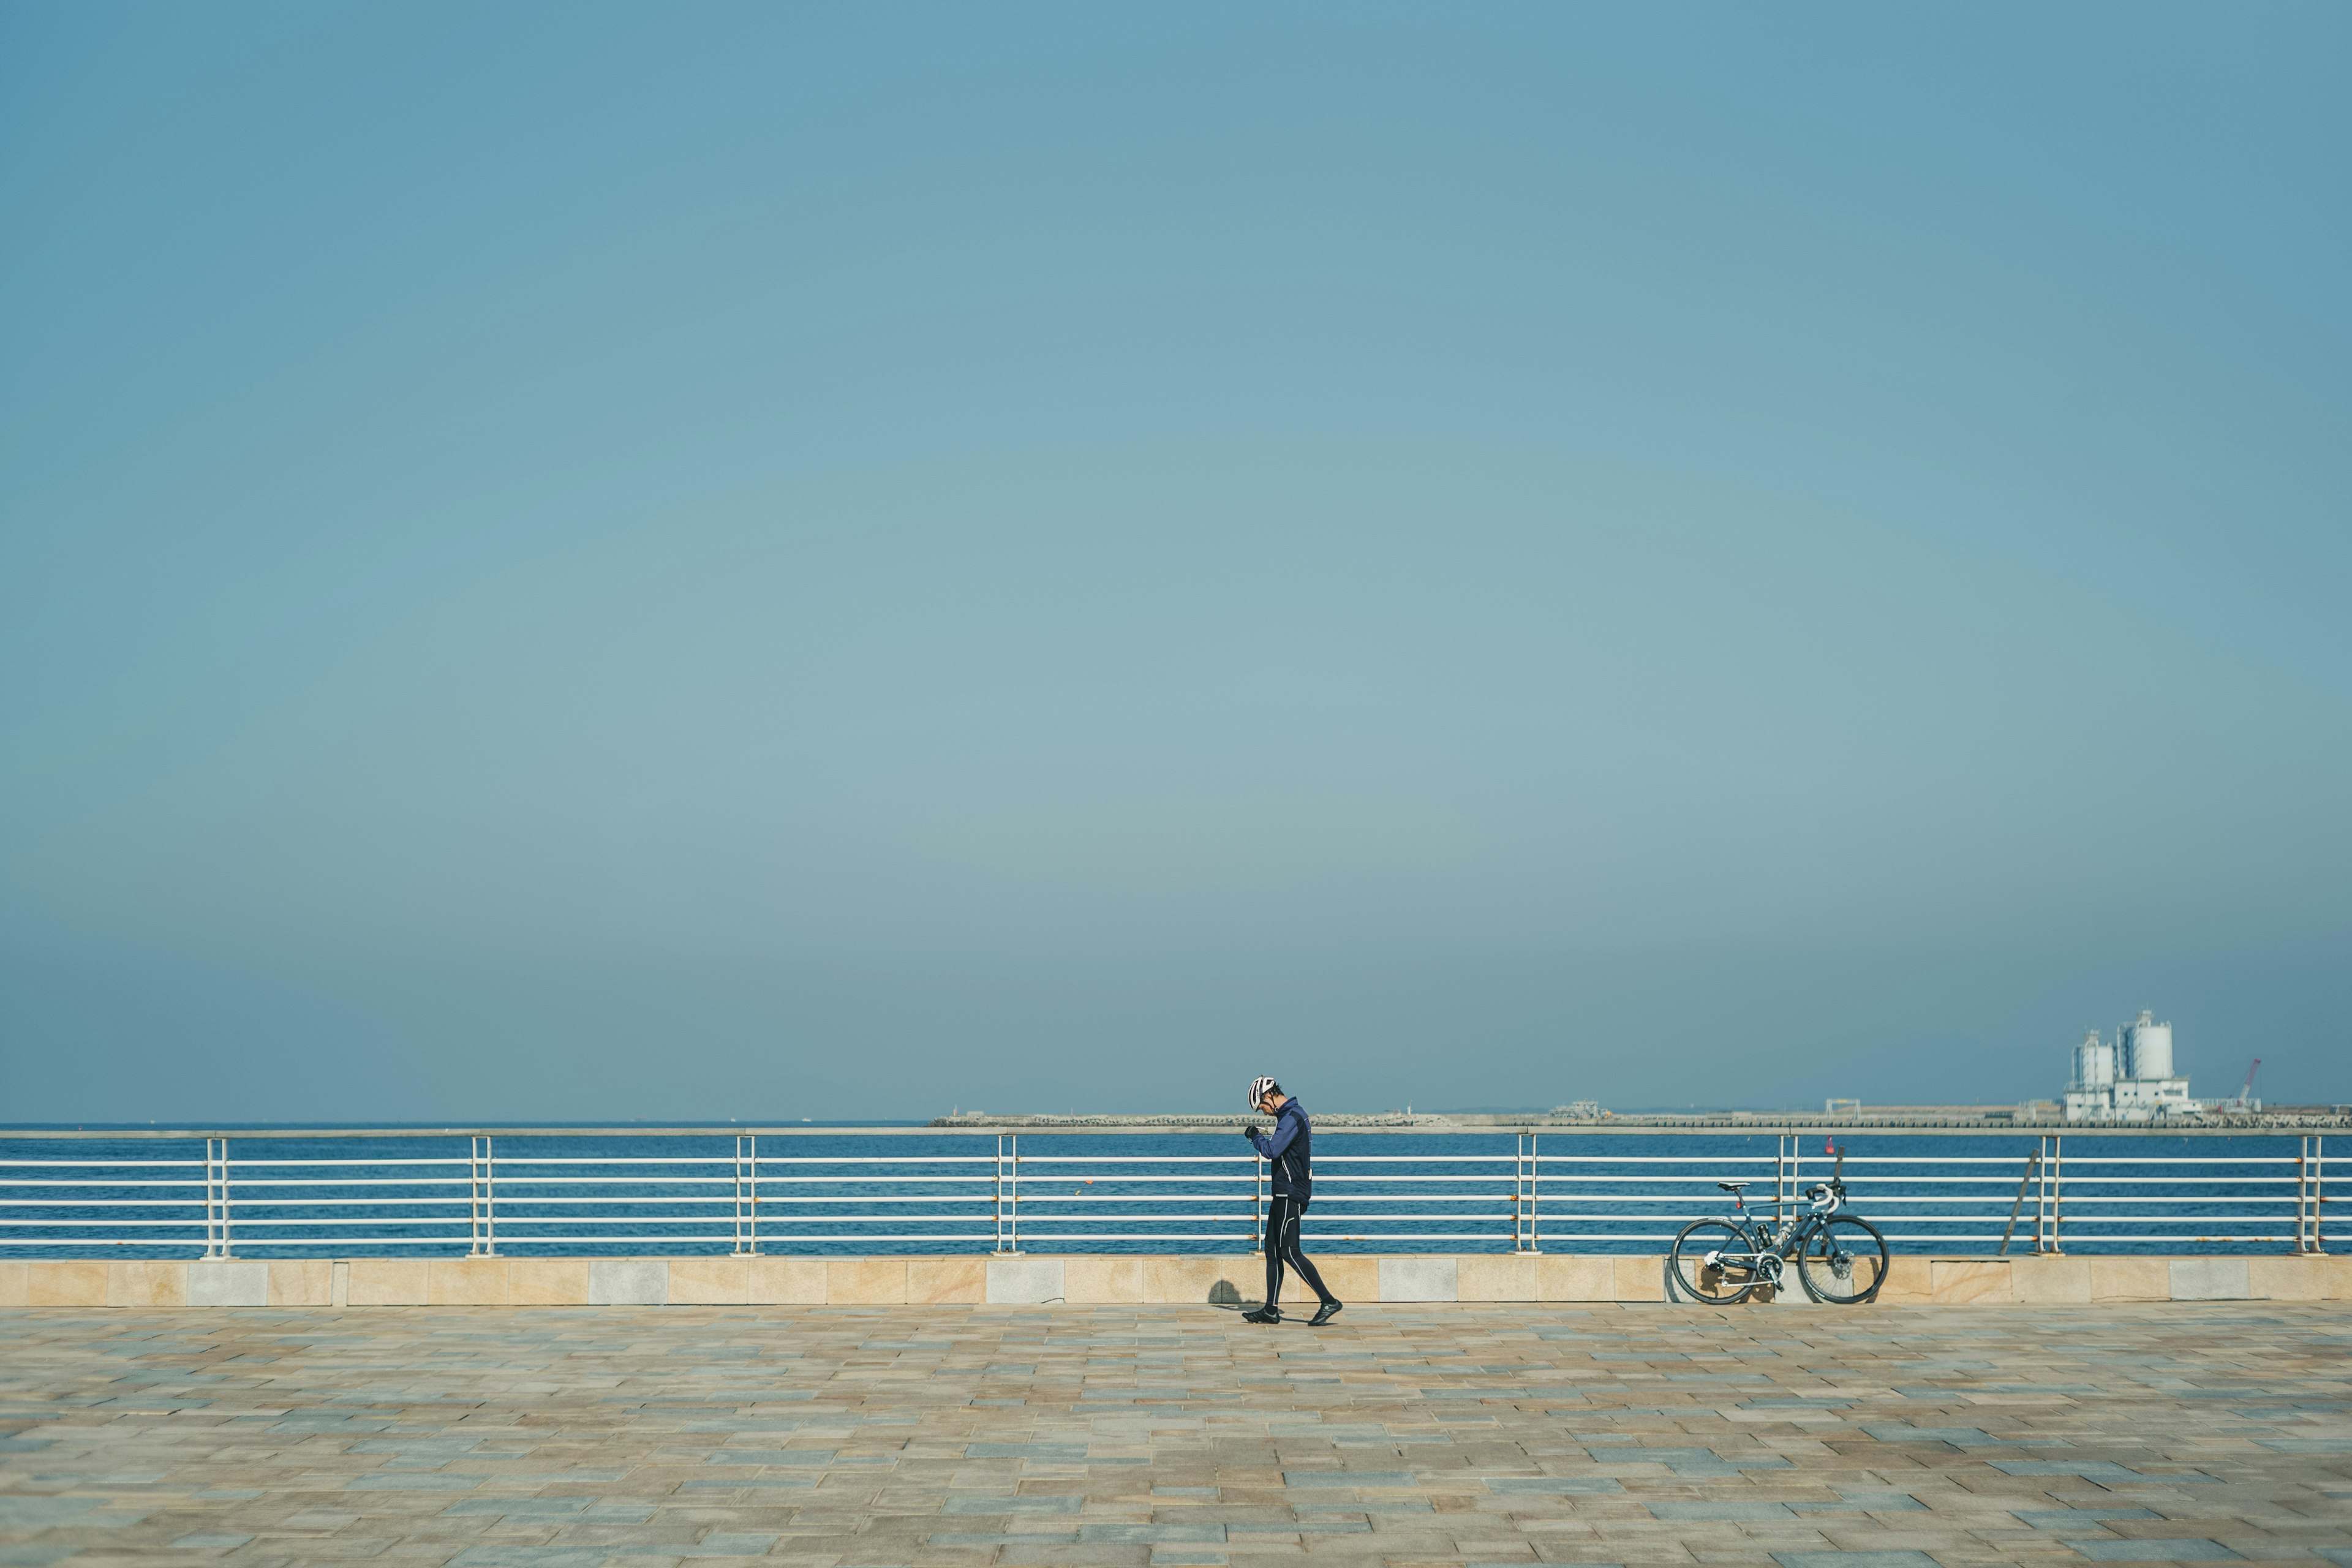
(1840,1258)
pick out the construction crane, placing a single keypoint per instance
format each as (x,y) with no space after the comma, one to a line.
(2245,1101)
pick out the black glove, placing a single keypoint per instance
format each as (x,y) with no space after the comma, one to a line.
(1250,1133)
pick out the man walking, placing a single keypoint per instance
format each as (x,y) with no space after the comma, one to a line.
(1294,1181)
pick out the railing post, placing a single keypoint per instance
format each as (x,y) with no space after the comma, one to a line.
(482,1170)
(746,1194)
(1519,1190)
(216,1216)
(1008,1193)
(1257,1205)
(2041,1196)
(1535,1194)
(1779,1171)
(2301,1187)
(1784,1177)
(2054,1170)
(1796,1169)
(2309,1196)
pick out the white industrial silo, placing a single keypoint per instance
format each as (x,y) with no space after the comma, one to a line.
(2148,1048)
(2094,1062)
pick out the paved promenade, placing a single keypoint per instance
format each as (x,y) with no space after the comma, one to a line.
(1171,1436)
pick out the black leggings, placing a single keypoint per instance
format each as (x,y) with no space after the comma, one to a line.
(1282,1246)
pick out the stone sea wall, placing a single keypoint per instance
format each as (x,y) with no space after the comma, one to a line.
(1080,1281)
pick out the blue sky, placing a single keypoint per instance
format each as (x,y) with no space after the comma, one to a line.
(586,561)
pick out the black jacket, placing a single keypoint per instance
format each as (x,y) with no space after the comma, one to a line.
(1290,1149)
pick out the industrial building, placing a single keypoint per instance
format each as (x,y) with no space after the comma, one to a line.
(2129,1077)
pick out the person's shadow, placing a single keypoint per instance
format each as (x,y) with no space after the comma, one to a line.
(1223,1294)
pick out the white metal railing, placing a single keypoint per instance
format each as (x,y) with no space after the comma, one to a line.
(837,1191)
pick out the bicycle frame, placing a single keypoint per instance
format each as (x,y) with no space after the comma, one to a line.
(1771,1243)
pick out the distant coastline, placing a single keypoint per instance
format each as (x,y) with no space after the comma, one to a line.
(2041,1116)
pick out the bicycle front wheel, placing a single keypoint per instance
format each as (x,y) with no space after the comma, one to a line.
(1844,1260)
(1713,1262)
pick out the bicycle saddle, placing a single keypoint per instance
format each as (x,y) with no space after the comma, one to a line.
(1731,1186)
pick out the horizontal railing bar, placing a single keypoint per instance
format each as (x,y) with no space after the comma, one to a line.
(1502,1196)
(1871,1183)
(243,1181)
(1488,1237)
(1766,1161)
(109,1204)
(1903,1236)
(2072,1180)
(1995,1218)
(883,1159)
(59,1182)
(1026,1181)
(1433,1218)
(1125,1159)
(729,1159)
(100,1164)
(2073,1158)
(764,1200)
(244,1221)
(245,1162)
(728,1236)
(194,1201)
(1050,1219)
(1220,1126)
(765,1220)
(767,1217)
(729,1181)
(109,1224)
(1882,1200)
(281,1243)
(2174,1219)
(1504,1159)
(524,1181)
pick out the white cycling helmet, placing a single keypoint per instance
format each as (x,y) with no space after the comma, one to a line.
(1259,1089)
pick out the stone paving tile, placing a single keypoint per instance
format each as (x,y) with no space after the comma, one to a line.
(1439,1437)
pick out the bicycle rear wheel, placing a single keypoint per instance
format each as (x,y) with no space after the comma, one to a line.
(1844,1260)
(1719,1283)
